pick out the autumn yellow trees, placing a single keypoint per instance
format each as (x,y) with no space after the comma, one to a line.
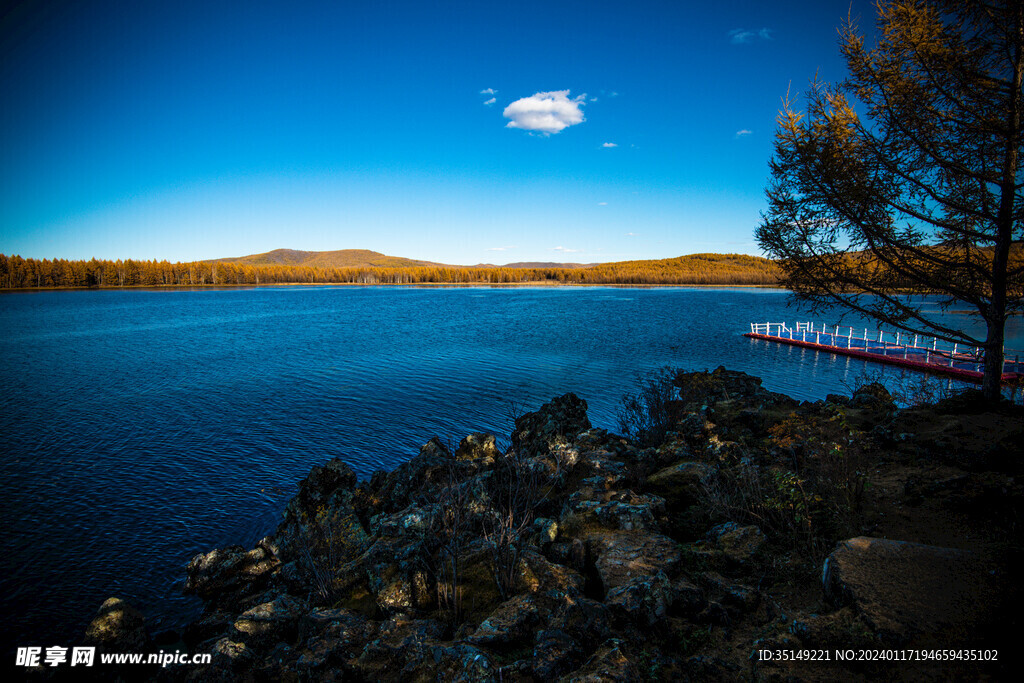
(698,269)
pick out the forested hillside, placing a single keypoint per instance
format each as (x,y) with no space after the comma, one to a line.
(697,269)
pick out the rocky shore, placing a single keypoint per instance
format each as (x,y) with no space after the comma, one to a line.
(757,526)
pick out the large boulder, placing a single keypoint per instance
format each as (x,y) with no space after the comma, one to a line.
(681,485)
(117,627)
(644,599)
(227,573)
(628,512)
(514,621)
(269,622)
(555,424)
(912,592)
(739,543)
(621,556)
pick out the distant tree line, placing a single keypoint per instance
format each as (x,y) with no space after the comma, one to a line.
(699,269)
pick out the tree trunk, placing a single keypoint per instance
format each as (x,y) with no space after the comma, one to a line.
(996,317)
(991,385)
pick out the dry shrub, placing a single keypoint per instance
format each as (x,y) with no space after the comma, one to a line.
(646,414)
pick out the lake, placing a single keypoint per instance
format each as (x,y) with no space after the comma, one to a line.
(139,427)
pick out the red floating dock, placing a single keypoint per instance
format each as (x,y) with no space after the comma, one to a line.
(913,351)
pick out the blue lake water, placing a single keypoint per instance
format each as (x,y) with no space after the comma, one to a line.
(138,427)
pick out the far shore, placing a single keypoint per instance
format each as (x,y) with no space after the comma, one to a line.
(477,285)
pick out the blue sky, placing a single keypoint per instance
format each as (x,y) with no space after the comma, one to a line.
(460,132)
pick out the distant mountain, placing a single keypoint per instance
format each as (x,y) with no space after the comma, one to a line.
(342,258)
(546,264)
(701,267)
(364,258)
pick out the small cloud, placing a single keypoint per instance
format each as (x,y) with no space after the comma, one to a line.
(609,144)
(489,91)
(500,248)
(564,250)
(744,133)
(592,99)
(630,234)
(491,101)
(738,36)
(602,203)
(545,112)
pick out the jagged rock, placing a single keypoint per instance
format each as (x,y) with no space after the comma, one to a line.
(605,469)
(117,627)
(626,511)
(536,574)
(644,599)
(733,595)
(212,623)
(395,490)
(556,423)
(512,622)
(401,651)
(739,543)
(270,622)
(554,654)
(906,591)
(842,628)
(324,483)
(408,521)
(230,572)
(680,484)
(572,553)
(480,447)
(621,556)
(331,637)
(278,664)
(461,663)
(616,515)
(587,621)
(687,598)
(609,664)
(386,577)
(230,660)
(874,396)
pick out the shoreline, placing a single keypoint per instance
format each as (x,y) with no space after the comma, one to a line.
(661,557)
(540,284)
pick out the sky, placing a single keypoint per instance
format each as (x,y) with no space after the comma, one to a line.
(457,132)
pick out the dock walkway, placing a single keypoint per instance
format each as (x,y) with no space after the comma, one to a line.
(910,351)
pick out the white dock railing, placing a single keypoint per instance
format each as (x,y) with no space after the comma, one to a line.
(891,344)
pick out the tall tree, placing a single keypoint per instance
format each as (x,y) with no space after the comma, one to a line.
(906,178)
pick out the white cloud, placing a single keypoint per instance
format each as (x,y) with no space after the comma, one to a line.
(609,144)
(744,133)
(545,112)
(500,248)
(489,91)
(491,101)
(565,251)
(738,36)
(602,203)
(630,234)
